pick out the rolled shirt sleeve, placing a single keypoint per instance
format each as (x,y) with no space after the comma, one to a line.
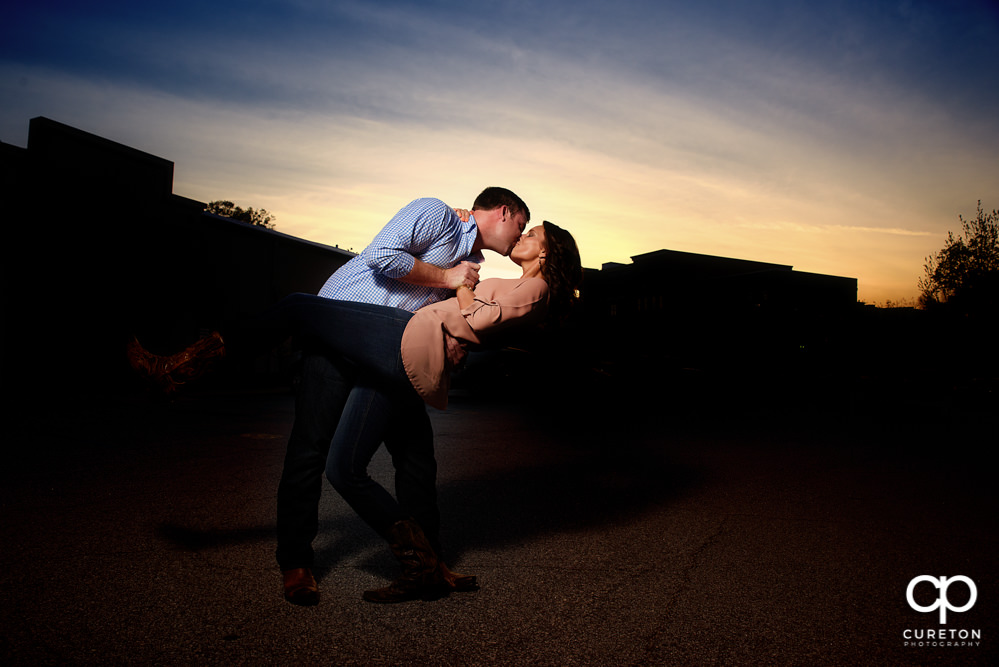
(410,233)
(425,229)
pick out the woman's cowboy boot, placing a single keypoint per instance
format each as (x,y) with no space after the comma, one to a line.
(169,372)
(421,577)
(192,362)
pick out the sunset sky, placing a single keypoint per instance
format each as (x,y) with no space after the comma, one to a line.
(841,137)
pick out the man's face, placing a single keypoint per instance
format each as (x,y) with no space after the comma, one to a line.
(508,229)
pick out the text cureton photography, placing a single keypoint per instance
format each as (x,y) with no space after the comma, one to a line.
(939,586)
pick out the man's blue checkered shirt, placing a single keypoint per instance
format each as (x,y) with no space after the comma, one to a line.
(425,229)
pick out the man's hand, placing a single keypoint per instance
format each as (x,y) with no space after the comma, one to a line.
(466,273)
(455,350)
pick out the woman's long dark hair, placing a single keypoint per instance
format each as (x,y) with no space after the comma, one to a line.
(562,270)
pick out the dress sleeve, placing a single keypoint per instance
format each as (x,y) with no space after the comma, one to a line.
(526,303)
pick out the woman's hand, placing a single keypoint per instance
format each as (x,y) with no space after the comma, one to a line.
(464,214)
(465,296)
(455,350)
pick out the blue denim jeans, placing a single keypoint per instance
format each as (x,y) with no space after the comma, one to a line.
(368,336)
(354,395)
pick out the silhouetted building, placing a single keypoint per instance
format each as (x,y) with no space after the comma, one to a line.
(679,309)
(98,249)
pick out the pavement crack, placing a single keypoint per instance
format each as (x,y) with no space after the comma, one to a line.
(653,645)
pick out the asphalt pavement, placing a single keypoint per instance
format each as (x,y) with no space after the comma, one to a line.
(622,531)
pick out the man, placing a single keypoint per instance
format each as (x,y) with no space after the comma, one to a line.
(421,256)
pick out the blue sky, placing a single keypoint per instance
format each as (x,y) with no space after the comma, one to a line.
(839,137)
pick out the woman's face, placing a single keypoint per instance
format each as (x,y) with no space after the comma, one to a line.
(530,246)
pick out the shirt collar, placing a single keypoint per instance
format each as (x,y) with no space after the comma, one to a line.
(470,232)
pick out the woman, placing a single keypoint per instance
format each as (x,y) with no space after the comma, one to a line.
(406,356)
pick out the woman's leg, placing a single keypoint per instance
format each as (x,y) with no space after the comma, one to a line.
(367,335)
(370,336)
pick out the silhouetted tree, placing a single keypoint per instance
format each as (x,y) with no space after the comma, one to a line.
(965,273)
(225,208)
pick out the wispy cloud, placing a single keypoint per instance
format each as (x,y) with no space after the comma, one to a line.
(798,228)
(842,137)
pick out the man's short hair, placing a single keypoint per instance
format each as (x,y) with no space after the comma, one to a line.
(494,197)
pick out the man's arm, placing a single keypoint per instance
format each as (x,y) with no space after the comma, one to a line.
(465,273)
(393,252)
(433,276)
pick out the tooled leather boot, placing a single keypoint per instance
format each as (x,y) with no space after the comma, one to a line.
(421,578)
(169,372)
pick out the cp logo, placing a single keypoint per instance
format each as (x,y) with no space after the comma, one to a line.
(942,603)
